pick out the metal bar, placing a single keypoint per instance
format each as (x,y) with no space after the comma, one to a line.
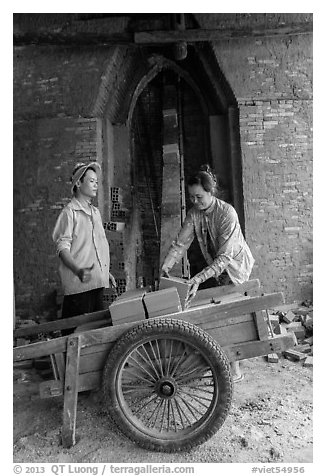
(185,262)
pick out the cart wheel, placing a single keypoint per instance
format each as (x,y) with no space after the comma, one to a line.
(167,385)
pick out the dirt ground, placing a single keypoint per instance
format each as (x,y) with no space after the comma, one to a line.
(270,421)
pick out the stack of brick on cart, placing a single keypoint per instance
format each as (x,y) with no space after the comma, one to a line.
(299,321)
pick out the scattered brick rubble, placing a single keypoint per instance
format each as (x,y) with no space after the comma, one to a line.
(298,320)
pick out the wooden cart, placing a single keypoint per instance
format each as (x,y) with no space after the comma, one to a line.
(166,381)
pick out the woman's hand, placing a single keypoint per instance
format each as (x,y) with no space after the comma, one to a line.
(164,272)
(85,274)
(194,282)
(112,281)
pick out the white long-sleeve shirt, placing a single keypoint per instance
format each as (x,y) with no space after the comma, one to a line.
(81,232)
(220,224)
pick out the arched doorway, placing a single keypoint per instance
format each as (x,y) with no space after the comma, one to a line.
(173,131)
(167,119)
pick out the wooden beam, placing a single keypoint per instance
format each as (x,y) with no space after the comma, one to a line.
(60,362)
(71,392)
(261,324)
(248,350)
(40,349)
(244,332)
(206,295)
(83,38)
(60,324)
(55,388)
(71,39)
(195,35)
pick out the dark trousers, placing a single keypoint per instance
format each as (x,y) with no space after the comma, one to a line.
(82,303)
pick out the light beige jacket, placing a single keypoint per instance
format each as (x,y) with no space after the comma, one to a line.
(81,232)
(231,252)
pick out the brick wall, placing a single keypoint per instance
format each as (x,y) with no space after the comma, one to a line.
(45,151)
(55,92)
(272,81)
(277,167)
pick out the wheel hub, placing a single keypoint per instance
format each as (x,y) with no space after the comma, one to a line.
(166,388)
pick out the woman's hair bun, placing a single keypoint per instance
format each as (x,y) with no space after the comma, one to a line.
(206,168)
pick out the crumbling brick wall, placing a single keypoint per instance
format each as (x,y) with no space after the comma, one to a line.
(272,81)
(59,94)
(45,151)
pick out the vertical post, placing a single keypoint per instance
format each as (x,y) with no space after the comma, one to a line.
(14,307)
(236,163)
(71,392)
(171,193)
(184,263)
(261,322)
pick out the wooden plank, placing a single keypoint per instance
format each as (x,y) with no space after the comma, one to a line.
(87,381)
(93,362)
(200,34)
(60,362)
(258,348)
(51,388)
(216,300)
(261,324)
(220,291)
(60,324)
(92,325)
(213,312)
(96,348)
(238,333)
(40,349)
(71,392)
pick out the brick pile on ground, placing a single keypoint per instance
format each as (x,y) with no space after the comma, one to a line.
(298,320)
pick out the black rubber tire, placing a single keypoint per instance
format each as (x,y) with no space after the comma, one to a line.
(213,383)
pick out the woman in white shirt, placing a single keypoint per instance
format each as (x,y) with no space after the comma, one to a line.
(82,246)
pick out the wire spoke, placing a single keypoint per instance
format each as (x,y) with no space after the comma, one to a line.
(145,404)
(174,355)
(190,407)
(178,363)
(150,360)
(196,398)
(173,416)
(169,412)
(156,357)
(140,377)
(188,363)
(159,357)
(194,373)
(142,368)
(157,410)
(192,394)
(163,414)
(180,410)
(134,389)
(169,358)
(201,388)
